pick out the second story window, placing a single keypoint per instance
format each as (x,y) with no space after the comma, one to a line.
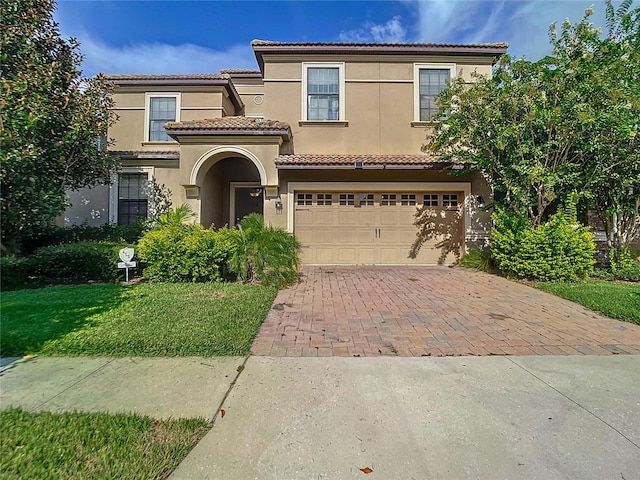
(323,92)
(161,108)
(429,81)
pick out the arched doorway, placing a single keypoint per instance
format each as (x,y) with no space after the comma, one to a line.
(231,188)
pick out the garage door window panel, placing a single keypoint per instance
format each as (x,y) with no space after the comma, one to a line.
(430,200)
(366,199)
(449,200)
(347,199)
(388,199)
(305,199)
(325,199)
(408,199)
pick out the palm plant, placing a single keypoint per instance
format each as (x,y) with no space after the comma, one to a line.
(265,254)
(176,216)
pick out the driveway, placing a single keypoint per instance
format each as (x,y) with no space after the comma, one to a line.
(431,311)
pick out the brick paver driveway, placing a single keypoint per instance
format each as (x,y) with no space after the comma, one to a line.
(416,311)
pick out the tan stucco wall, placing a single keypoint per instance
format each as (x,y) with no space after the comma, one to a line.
(252,95)
(195,104)
(379,103)
(210,151)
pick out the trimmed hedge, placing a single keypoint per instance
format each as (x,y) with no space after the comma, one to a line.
(109,232)
(63,264)
(555,251)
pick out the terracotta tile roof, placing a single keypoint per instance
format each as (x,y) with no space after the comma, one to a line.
(146,154)
(261,47)
(195,79)
(228,123)
(351,161)
(378,46)
(147,77)
(240,71)
(230,126)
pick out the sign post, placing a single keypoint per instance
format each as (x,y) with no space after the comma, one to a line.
(126,254)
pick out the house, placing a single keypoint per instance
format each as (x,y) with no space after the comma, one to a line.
(324,139)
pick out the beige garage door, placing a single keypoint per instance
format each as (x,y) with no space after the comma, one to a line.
(376,227)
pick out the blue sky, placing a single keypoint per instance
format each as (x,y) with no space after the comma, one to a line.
(208,35)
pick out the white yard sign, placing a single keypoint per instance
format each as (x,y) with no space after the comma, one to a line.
(126,254)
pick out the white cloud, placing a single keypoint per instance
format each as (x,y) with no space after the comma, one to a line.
(522,23)
(160,58)
(390,32)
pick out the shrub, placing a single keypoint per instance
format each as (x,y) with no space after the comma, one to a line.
(63,264)
(109,232)
(622,259)
(15,272)
(555,251)
(191,253)
(264,254)
(478,259)
(629,274)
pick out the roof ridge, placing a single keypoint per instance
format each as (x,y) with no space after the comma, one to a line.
(258,42)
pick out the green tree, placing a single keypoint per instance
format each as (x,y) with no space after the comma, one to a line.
(540,131)
(516,129)
(53,122)
(606,71)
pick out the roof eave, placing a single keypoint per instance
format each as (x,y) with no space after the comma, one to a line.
(372,166)
(194,132)
(234,96)
(383,49)
(145,155)
(168,81)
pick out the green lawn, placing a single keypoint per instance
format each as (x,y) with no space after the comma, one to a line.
(93,445)
(146,319)
(614,299)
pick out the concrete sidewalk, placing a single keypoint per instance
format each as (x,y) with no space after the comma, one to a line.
(158,387)
(497,417)
(427,418)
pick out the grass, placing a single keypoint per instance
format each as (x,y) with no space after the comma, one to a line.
(614,299)
(93,445)
(146,319)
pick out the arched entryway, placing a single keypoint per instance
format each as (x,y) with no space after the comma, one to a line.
(230,188)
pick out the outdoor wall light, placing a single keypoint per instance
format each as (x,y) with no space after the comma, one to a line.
(480,200)
(278,203)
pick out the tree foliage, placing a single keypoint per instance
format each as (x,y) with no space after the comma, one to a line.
(568,123)
(51,120)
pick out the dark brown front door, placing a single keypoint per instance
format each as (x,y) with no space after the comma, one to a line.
(248,200)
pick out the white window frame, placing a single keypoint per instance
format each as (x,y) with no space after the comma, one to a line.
(113,189)
(416,84)
(147,111)
(341,90)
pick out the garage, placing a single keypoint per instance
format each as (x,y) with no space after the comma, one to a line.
(369,224)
